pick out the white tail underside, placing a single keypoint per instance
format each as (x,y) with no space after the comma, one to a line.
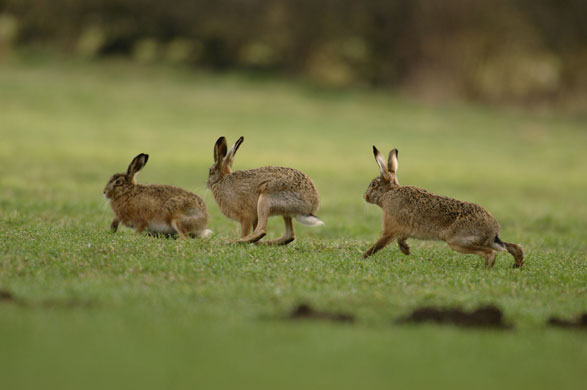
(309,220)
(205,233)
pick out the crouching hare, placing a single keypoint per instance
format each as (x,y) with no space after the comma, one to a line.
(250,197)
(160,209)
(411,212)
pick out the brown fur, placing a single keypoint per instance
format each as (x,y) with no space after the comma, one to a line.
(250,197)
(411,212)
(159,209)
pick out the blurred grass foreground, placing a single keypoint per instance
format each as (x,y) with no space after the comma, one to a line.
(531,52)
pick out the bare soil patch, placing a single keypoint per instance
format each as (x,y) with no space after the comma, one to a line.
(6,296)
(488,317)
(579,322)
(305,311)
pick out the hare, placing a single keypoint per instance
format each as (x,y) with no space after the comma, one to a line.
(411,212)
(161,209)
(250,197)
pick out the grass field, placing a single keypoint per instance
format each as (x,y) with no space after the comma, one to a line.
(94,309)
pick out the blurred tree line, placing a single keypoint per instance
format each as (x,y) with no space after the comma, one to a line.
(522,51)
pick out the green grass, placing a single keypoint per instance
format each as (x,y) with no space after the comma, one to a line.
(102,310)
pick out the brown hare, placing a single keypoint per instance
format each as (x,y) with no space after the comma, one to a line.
(250,197)
(160,209)
(411,212)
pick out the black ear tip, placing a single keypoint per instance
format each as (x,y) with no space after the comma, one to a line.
(241,139)
(220,140)
(142,155)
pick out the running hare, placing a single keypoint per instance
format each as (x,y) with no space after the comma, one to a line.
(161,209)
(250,197)
(411,212)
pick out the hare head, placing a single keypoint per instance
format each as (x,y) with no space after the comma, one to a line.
(222,160)
(387,178)
(119,183)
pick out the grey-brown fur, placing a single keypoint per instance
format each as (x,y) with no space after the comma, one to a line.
(250,197)
(411,212)
(159,209)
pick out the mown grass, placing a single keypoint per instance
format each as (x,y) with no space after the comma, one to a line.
(95,309)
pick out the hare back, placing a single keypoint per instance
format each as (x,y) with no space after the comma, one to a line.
(157,202)
(292,192)
(420,214)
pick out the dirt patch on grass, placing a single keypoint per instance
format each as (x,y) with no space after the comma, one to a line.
(580,322)
(305,311)
(483,317)
(6,296)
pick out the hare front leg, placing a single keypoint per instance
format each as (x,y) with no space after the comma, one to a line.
(403,246)
(389,233)
(140,227)
(247,225)
(380,244)
(114,225)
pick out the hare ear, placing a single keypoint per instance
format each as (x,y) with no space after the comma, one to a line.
(392,164)
(220,149)
(233,150)
(136,165)
(381,162)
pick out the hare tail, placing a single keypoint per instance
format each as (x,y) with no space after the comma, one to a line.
(205,233)
(310,220)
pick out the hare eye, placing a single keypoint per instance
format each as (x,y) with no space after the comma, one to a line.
(373,184)
(118,182)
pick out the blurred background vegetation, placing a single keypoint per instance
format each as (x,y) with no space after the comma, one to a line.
(522,52)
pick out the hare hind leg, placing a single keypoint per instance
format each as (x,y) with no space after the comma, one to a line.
(263,211)
(287,237)
(463,246)
(190,226)
(179,228)
(516,251)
